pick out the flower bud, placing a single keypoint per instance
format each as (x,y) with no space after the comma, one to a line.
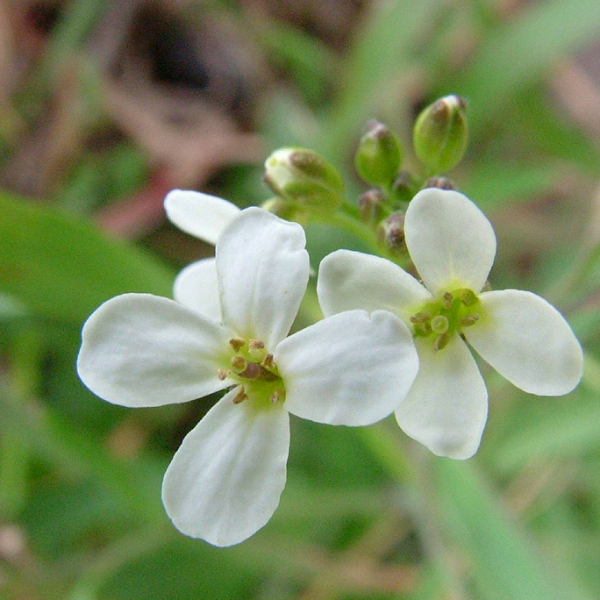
(287,210)
(304,178)
(404,187)
(391,231)
(440,134)
(369,206)
(440,182)
(379,155)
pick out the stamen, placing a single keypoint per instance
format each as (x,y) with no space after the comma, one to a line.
(441,342)
(421,317)
(447,298)
(275,396)
(422,328)
(239,363)
(222,375)
(240,396)
(255,345)
(469,320)
(267,361)
(237,343)
(467,297)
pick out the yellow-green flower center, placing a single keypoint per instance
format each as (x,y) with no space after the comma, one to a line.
(449,314)
(256,372)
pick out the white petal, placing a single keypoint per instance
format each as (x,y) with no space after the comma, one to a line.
(350,280)
(263,271)
(144,350)
(449,239)
(198,214)
(446,408)
(527,341)
(197,287)
(225,480)
(348,369)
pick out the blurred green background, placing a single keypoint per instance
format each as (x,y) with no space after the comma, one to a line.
(107,105)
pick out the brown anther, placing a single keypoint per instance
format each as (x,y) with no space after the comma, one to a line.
(469,320)
(252,371)
(267,361)
(222,375)
(239,363)
(255,345)
(240,396)
(467,297)
(421,317)
(422,328)
(237,343)
(441,341)
(447,298)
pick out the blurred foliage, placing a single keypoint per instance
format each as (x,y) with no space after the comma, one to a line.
(366,513)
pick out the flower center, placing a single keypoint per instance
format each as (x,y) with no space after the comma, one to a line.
(253,368)
(448,315)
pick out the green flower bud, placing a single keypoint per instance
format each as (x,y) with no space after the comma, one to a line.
(391,231)
(286,210)
(379,155)
(440,134)
(404,187)
(304,178)
(369,206)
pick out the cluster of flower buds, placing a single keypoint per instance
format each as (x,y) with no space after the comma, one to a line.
(439,139)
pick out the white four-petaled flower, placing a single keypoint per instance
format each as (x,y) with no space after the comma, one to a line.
(205,217)
(452,245)
(225,480)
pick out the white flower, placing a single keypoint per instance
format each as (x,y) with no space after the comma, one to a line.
(452,245)
(225,480)
(203,216)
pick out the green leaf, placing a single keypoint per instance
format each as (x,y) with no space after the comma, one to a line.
(519,52)
(504,564)
(63,267)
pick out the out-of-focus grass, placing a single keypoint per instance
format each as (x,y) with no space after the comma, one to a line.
(367,513)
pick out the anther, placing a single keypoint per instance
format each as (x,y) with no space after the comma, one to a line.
(447,298)
(441,341)
(239,363)
(237,343)
(467,297)
(255,345)
(422,328)
(267,361)
(240,396)
(222,375)
(421,317)
(469,320)
(275,397)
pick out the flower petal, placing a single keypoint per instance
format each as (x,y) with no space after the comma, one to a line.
(349,369)
(263,272)
(198,214)
(446,408)
(197,287)
(527,341)
(350,280)
(144,350)
(225,480)
(450,241)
